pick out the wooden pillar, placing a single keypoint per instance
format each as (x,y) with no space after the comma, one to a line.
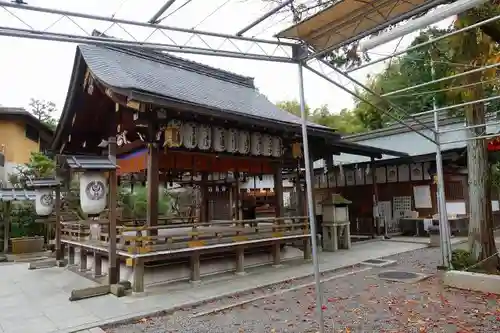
(138,271)
(375,198)
(239,211)
(113,264)
(6,231)
(276,254)
(71,254)
(59,252)
(153,183)
(278,191)
(298,195)
(83,259)
(240,260)
(195,267)
(204,198)
(97,264)
(231,202)
(307,248)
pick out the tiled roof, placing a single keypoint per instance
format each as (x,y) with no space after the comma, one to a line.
(182,80)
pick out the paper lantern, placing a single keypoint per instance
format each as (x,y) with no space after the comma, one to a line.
(267,145)
(277,147)
(92,192)
(189,135)
(232,141)
(173,135)
(44,203)
(256,144)
(219,139)
(204,137)
(244,142)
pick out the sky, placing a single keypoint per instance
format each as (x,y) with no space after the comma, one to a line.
(42,69)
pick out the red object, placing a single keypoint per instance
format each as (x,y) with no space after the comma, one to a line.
(494,144)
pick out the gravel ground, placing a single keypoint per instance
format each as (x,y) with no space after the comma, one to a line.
(354,303)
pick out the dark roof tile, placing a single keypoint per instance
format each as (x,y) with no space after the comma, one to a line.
(167,77)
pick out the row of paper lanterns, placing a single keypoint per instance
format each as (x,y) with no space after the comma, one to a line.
(204,137)
(93,191)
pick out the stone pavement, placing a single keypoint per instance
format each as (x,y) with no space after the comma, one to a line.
(37,301)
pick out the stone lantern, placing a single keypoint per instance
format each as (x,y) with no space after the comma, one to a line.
(336,224)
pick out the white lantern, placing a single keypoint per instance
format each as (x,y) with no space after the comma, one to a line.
(277,147)
(244,142)
(267,145)
(204,137)
(92,192)
(189,135)
(173,134)
(44,203)
(256,144)
(232,141)
(219,139)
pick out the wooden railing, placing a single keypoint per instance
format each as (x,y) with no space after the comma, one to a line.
(145,239)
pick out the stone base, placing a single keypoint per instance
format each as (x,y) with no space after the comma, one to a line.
(484,283)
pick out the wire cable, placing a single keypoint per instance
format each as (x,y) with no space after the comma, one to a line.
(445,89)
(174,11)
(212,13)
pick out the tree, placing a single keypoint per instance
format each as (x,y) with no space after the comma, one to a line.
(476,48)
(39,166)
(345,122)
(43,111)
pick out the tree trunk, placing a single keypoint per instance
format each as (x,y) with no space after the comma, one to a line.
(481,238)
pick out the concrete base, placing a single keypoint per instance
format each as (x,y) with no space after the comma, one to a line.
(472,281)
(78,294)
(47,263)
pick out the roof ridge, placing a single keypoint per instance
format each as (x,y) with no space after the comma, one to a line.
(183,63)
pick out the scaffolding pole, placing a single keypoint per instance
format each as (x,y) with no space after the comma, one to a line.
(218,44)
(429,42)
(263,17)
(310,203)
(162,10)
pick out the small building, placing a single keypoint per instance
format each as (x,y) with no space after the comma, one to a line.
(21,134)
(403,185)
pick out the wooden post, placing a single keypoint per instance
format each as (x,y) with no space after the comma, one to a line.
(276,254)
(6,230)
(278,191)
(59,252)
(231,202)
(71,254)
(138,271)
(113,268)
(195,267)
(204,198)
(240,260)
(375,197)
(239,210)
(153,182)
(83,259)
(97,264)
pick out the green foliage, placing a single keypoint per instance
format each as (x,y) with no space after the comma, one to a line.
(43,111)
(345,122)
(135,203)
(461,259)
(23,216)
(39,166)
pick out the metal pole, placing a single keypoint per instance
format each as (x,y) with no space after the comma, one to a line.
(370,103)
(469,127)
(139,24)
(95,40)
(430,41)
(415,11)
(441,199)
(310,203)
(162,10)
(263,17)
(456,106)
(442,79)
(371,91)
(489,136)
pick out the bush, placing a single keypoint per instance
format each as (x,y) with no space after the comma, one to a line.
(461,259)
(23,223)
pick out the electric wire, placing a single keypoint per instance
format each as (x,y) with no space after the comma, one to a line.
(212,13)
(423,93)
(423,59)
(174,11)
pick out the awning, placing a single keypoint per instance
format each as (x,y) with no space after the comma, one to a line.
(350,20)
